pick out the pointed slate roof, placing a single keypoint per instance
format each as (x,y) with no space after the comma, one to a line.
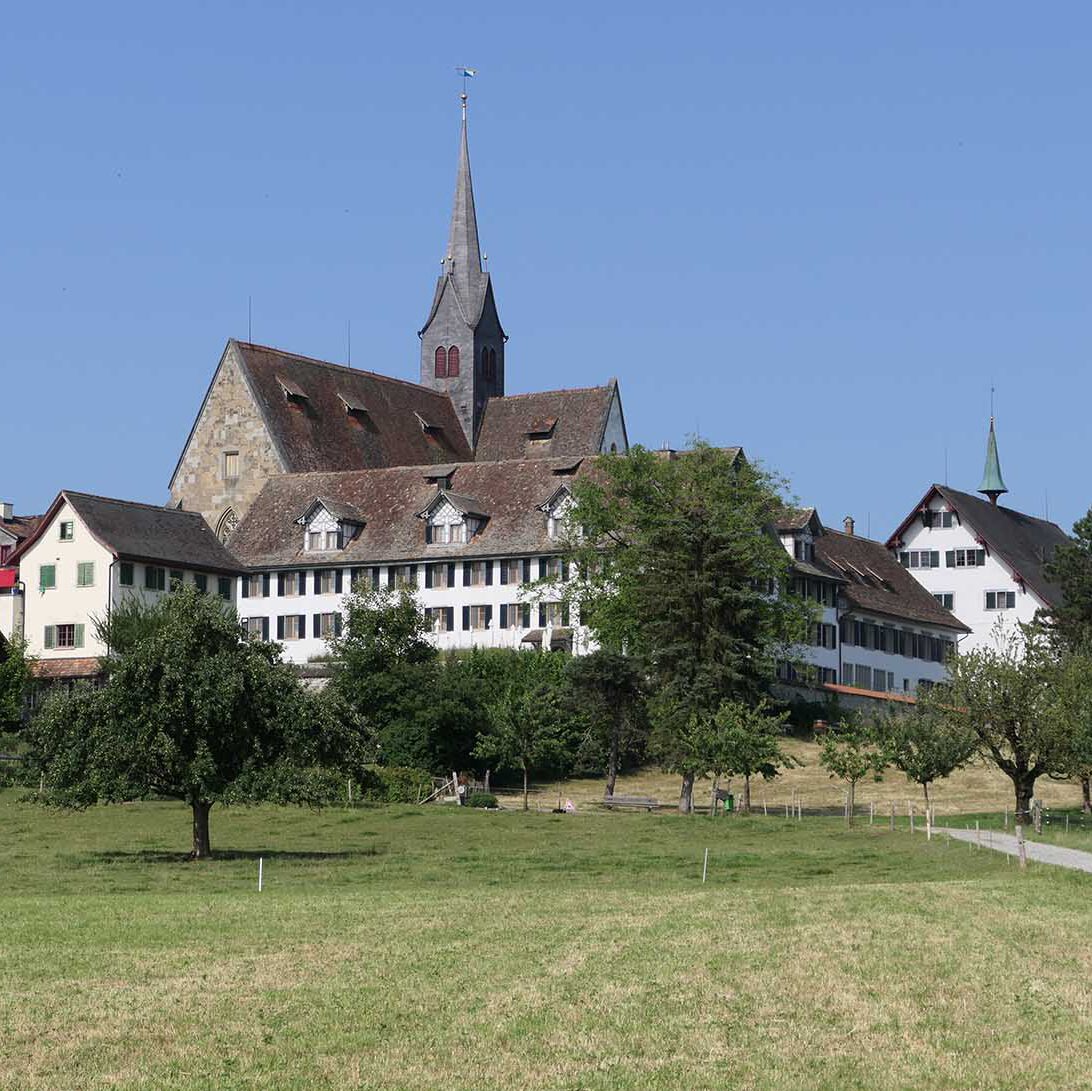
(993,485)
(462,272)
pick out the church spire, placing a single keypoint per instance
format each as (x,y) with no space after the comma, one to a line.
(463,260)
(993,485)
(462,341)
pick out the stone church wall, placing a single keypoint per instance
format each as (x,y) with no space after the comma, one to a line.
(229,422)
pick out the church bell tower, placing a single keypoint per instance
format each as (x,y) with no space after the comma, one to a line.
(462,342)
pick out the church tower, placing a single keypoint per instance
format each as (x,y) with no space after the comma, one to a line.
(462,342)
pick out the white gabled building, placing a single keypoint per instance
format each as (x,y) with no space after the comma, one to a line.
(469,539)
(89,553)
(877,635)
(982,561)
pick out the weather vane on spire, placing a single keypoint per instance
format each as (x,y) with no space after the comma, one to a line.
(467,74)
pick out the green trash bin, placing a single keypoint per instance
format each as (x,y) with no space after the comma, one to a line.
(729,803)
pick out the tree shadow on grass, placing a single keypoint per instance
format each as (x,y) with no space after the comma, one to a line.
(151,856)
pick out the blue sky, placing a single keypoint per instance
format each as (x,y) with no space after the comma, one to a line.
(821,231)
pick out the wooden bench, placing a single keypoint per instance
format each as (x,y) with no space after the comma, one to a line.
(635,803)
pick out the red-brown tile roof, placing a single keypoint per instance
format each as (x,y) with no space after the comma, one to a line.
(57,669)
(573,420)
(389,500)
(876,582)
(323,416)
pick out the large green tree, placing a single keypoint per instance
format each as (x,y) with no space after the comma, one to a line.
(386,671)
(190,712)
(676,564)
(607,690)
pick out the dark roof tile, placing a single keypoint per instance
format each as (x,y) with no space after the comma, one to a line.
(340,418)
(572,422)
(389,501)
(876,582)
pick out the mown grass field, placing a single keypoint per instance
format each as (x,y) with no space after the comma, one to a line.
(428,947)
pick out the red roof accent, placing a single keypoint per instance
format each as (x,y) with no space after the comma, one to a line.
(9,577)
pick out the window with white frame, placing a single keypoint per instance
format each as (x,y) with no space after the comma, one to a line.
(67,530)
(478,570)
(946,599)
(327,581)
(253,628)
(328,626)
(449,533)
(919,558)
(231,465)
(293,627)
(479,617)
(440,575)
(965,558)
(1000,600)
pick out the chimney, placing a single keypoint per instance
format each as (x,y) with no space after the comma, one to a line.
(667,453)
(6,511)
(848,524)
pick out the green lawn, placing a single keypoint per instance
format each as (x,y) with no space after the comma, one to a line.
(426,947)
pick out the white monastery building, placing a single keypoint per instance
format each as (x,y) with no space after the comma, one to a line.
(982,561)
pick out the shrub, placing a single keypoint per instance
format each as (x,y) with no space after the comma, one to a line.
(394,784)
(482,799)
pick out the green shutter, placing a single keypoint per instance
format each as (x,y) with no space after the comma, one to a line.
(79,636)
(50,640)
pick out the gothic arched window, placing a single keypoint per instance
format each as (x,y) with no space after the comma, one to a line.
(452,361)
(485,362)
(441,363)
(493,364)
(225,528)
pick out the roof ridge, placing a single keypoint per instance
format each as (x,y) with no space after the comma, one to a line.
(339,367)
(540,393)
(853,537)
(127,503)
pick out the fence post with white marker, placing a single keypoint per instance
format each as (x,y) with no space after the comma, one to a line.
(705,866)
(260,861)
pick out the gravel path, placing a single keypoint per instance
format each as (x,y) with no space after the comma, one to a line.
(1036,850)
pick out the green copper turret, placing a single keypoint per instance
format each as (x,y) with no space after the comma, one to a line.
(993,484)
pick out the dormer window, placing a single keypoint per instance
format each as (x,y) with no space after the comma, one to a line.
(541,428)
(557,510)
(293,393)
(803,549)
(329,526)
(451,519)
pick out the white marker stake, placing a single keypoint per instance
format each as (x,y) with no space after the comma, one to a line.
(705,866)
(259,875)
